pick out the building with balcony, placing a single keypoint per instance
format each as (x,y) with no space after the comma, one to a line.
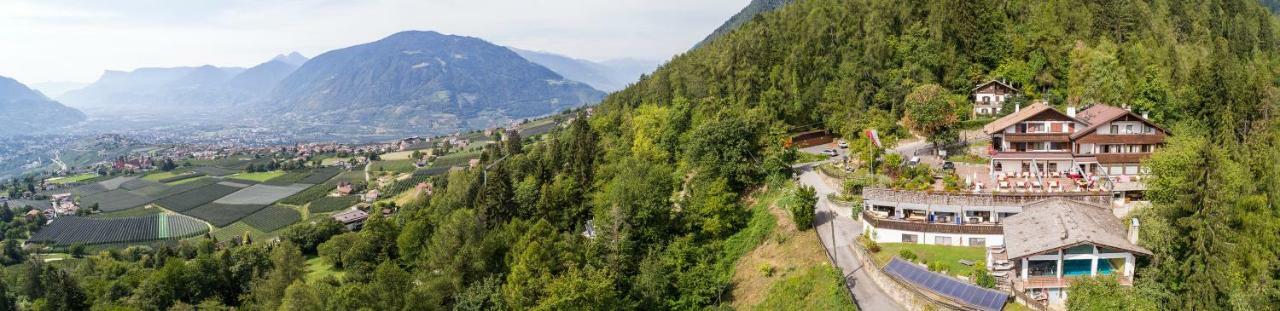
(1099,140)
(989,97)
(950,218)
(1053,242)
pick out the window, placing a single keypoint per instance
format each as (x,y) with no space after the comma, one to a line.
(942,240)
(1128,129)
(999,167)
(986,99)
(979,242)
(1053,167)
(1115,129)
(910,238)
(1147,129)
(1026,167)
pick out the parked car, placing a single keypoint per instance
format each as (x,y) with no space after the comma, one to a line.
(844,144)
(830,152)
(913,161)
(948,166)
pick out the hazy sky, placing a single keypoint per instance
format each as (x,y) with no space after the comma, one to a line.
(59,40)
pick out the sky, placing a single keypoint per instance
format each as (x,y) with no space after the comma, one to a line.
(62,40)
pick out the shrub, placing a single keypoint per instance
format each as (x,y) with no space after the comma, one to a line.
(802,209)
(767,269)
(869,244)
(907,254)
(982,278)
(937,267)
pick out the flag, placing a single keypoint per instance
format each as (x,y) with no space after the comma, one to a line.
(874,137)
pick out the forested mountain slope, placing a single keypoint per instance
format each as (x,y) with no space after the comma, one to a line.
(413,79)
(26,111)
(755,7)
(665,172)
(1209,67)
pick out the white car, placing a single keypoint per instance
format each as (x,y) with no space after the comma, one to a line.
(844,145)
(830,152)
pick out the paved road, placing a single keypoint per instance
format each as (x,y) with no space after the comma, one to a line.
(838,232)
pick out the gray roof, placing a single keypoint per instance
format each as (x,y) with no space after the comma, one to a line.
(1058,223)
(350,216)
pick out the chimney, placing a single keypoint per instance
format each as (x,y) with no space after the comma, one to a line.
(1071,111)
(1017,107)
(1133,231)
(1144,115)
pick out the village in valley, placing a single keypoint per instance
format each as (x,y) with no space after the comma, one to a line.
(1031,198)
(165,194)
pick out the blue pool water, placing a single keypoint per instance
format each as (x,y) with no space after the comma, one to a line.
(1081,267)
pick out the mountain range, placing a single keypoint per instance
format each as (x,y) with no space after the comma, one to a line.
(606,76)
(23,110)
(424,79)
(181,89)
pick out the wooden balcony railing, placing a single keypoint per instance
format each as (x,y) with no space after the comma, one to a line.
(918,226)
(1037,137)
(976,199)
(1107,158)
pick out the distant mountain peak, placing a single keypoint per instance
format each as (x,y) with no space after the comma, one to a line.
(293,58)
(425,80)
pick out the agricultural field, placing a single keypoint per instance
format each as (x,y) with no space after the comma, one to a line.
(138,183)
(257,177)
(455,159)
(321,175)
(398,166)
(71,179)
(307,176)
(311,194)
(261,194)
(179,178)
(399,155)
(272,218)
(140,209)
(67,230)
(213,171)
(335,160)
(221,215)
(196,197)
(157,176)
(36,204)
(89,189)
(115,183)
(237,230)
(330,204)
(115,200)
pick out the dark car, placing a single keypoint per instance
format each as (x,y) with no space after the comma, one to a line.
(948,166)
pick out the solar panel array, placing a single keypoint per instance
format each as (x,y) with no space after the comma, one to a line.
(972,295)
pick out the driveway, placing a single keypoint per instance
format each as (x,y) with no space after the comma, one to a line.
(838,235)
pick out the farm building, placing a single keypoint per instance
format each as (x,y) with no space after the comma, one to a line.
(352,218)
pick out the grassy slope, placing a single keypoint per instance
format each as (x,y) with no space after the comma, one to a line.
(259,176)
(71,179)
(802,279)
(318,269)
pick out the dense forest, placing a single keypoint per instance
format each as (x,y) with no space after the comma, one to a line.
(661,171)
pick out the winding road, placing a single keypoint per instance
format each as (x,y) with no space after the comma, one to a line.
(838,231)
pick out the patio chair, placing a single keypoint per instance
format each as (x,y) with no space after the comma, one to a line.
(1004,185)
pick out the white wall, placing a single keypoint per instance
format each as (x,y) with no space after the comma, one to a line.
(895,236)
